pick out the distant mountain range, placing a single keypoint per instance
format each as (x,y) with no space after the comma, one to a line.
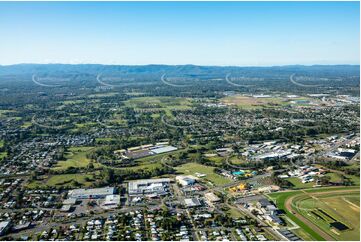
(26,69)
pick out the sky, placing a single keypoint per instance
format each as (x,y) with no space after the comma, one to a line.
(200,33)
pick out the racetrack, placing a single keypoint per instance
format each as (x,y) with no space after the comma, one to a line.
(290,206)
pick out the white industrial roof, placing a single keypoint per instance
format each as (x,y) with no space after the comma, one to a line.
(110,199)
(164,149)
(192,202)
(93,191)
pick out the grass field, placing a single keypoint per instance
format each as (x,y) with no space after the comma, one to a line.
(297,184)
(330,200)
(238,161)
(336,177)
(192,168)
(144,165)
(159,103)
(65,180)
(216,159)
(235,213)
(75,157)
(353,199)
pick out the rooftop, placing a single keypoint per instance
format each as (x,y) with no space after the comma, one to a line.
(93,191)
(192,202)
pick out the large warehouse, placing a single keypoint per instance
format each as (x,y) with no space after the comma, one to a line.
(185,180)
(91,193)
(149,186)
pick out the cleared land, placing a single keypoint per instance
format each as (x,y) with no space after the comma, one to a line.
(192,168)
(252,102)
(248,102)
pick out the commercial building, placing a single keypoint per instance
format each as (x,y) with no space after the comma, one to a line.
(137,154)
(146,150)
(111,201)
(289,235)
(268,189)
(93,193)
(66,208)
(211,197)
(343,154)
(21,226)
(156,187)
(273,155)
(269,211)
(192,202)
(164,149)
(70,201)
(263,203)
(185,180)
(274,219)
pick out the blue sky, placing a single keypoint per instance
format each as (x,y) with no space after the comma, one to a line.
(203,33)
